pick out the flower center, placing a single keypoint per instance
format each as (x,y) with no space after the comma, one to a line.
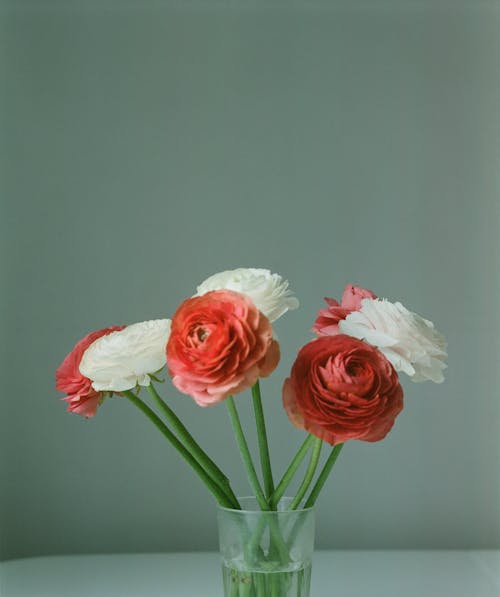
(202,334)
(199,334)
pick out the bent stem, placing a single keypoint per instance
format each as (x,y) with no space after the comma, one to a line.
(311,469)
(265,459)
(245,454)
(291,470)
(217,492)
(323,476)
(194,448)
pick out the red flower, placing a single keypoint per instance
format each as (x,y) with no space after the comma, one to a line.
(327,321)
(341,388)
(219,344)
(81,397)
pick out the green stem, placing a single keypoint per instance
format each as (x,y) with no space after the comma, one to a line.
(311,469)
(323,476)
(290,471)
(265,459)
(245,454)
(220,496)
(194,448)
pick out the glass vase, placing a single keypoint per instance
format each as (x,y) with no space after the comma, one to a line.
(266,554)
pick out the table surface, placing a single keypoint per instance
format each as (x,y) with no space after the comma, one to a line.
(335,573)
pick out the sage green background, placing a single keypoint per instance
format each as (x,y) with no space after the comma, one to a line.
(146,145)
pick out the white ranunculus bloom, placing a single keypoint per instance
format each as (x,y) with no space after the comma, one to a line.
(408,341)
(268,291)
(121,360)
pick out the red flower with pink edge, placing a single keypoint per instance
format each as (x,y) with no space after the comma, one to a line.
(328,319)
(220,344)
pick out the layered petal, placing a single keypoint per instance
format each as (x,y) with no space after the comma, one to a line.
(81,397)
(341,388)
(410,342)
(124,359)
(220,345)
(327,322)
(270,292)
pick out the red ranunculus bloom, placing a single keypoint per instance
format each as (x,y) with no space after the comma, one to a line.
(81,397)
(219,344)
(341,388)
(328,319)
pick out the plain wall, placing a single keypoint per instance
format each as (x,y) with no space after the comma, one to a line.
(147,145)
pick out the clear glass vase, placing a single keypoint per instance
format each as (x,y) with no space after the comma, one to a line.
(266,554)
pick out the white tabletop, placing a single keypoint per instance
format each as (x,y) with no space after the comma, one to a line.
(335,573)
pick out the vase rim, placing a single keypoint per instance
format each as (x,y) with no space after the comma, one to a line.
(258,511)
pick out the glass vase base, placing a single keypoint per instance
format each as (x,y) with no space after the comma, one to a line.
(293,583)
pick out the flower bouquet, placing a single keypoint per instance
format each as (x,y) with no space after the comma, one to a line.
(344,385)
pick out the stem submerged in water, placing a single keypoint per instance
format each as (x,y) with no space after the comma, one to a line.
(280,583)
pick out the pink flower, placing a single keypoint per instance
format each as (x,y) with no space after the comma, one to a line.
(341,388)
(220,344)
(81,397)
(328,319)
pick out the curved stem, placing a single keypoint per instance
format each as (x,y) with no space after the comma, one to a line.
(265,459)
(311,469)
(323,476)
(291,470)
(221,497)
(245,454)
(192,445)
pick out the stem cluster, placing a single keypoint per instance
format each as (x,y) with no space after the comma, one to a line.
(268,496)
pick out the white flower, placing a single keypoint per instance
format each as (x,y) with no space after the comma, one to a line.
(268,291)
(408,341)
(123,359)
